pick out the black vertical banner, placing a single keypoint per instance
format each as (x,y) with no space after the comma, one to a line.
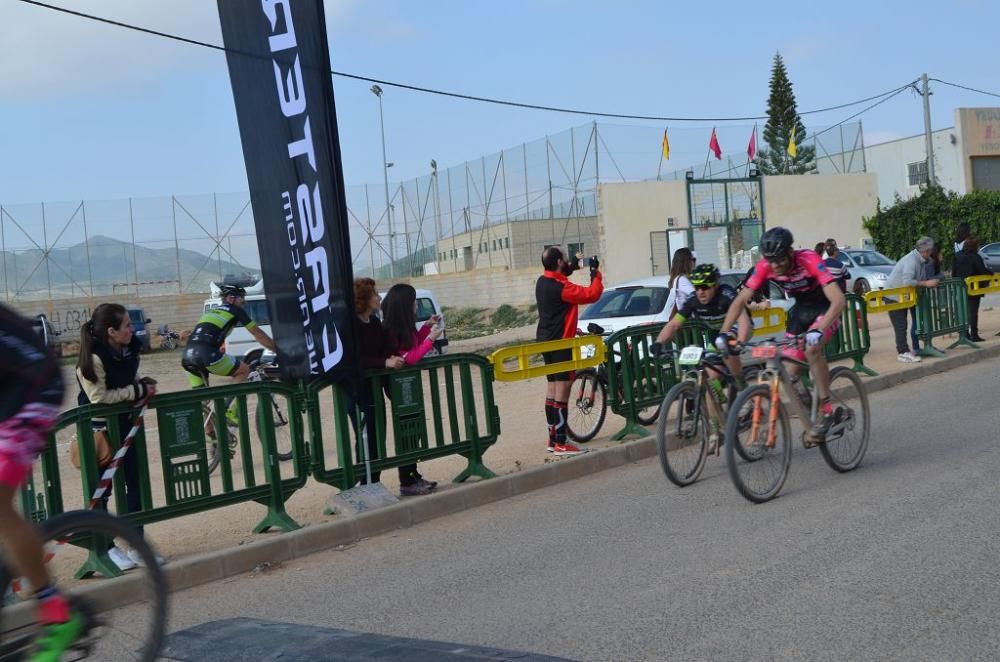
(279,67)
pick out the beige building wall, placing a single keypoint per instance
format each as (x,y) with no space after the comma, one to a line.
(815,207)
(626,214)
(979,136)
(483,288)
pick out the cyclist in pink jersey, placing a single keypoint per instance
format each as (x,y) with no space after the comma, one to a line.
(816,313)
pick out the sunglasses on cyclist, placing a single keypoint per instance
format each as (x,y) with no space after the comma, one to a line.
(704,286)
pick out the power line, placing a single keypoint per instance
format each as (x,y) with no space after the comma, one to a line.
(457,95)
(963,87)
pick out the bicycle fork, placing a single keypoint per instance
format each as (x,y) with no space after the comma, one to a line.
(772,416)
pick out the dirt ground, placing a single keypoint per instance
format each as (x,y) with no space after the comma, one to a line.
(521,445)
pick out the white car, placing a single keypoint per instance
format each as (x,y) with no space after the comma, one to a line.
(644,301)
(428,305)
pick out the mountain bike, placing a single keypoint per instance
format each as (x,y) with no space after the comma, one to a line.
(125,617)
(684,429)
(759,454)
(588,399)
(261,369)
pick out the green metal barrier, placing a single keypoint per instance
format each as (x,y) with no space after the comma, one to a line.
(187,486)
(942,310)
(460,422)
(635,382)
(852,340)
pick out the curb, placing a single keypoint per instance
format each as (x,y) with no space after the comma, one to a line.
(212,566)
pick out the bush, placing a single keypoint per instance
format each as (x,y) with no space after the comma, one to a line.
(934,213)
(505,316)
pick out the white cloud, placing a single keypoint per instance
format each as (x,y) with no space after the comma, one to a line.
(49,54)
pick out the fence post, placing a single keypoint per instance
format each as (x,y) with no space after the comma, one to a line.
(276,516)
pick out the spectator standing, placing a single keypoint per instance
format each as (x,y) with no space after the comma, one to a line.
(962,232)
(834,265)
(558,312)
(819,248)
(679,282)
(375,355)
(968,262)
(908,272)
(399,312)
(107,371)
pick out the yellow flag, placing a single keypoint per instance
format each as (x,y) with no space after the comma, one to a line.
(666,146)
(793,149)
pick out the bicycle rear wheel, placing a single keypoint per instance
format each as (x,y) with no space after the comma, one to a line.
(282,426)
(847,440)
(127,615)
(681,434)
(758,469)
(213,445)
(587,407)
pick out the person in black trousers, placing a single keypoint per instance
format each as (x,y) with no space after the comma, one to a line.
(375,355)
(968,262)
(107,371)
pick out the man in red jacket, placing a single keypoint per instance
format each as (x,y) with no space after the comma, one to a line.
(558,300)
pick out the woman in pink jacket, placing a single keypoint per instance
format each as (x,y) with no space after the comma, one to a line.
(399,317)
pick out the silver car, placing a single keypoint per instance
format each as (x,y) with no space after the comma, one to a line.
(869,269)
(991,256)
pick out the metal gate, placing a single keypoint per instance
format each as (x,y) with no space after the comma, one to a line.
(725,221)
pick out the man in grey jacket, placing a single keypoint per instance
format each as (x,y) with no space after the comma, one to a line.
(908,272)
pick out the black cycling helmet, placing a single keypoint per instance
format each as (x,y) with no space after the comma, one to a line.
(232,291)
(704,275)
(776,242)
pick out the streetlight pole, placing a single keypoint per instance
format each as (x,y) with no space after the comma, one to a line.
(377,91)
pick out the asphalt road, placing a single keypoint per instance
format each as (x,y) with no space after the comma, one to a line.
(897,560)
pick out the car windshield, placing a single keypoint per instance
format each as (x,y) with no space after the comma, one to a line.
(628,302)
(136,316)
(871,259)
(257,310)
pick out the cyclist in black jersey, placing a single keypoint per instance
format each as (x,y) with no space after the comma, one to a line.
(31,392)
(204,354)
(709,304)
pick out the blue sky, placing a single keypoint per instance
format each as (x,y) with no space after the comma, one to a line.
(92,111)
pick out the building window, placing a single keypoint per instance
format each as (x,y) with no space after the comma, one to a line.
(916,173)
(575,248)
(494,244)
(506,242)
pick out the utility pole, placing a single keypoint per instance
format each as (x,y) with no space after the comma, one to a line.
(931,179)
(377,91)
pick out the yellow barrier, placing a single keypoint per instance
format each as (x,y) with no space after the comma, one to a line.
(897,298)
(523,353)
(772,321)
(983,284)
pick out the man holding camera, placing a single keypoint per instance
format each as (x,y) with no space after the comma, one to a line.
(558,301)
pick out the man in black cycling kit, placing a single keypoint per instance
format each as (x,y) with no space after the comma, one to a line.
(31,392)
(816,313)
(204,354)
(710,304)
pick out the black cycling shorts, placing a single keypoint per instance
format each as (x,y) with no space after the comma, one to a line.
(802,316)
(558,356)
(199,360)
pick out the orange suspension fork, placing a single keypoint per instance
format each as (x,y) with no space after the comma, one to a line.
(772,416)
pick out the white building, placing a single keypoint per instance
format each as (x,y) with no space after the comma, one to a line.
(966,158)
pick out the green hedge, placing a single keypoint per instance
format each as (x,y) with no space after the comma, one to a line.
(936,214)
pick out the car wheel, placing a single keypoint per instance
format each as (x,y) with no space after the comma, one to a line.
(861,287)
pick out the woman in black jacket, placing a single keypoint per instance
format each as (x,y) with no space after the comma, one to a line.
(968,262)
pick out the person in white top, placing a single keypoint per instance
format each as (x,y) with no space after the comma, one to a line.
(679,283)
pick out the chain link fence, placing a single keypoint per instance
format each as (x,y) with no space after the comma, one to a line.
(178,243)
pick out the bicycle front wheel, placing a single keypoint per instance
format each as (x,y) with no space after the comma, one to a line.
(282,427)
(587,407)
(758,452)
(681,434)
(847,440)
(126,616)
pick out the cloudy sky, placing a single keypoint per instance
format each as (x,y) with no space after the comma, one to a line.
(93,111)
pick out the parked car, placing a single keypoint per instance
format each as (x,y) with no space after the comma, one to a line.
(428,305)
(869,269)
(48,333)
(991,256)
(140,326)
(644,301)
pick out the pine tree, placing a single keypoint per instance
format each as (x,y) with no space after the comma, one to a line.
(782,115)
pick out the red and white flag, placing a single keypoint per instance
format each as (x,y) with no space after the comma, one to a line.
(713,145)
(752,147)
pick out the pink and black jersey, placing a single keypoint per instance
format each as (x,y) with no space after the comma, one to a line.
(804,281)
